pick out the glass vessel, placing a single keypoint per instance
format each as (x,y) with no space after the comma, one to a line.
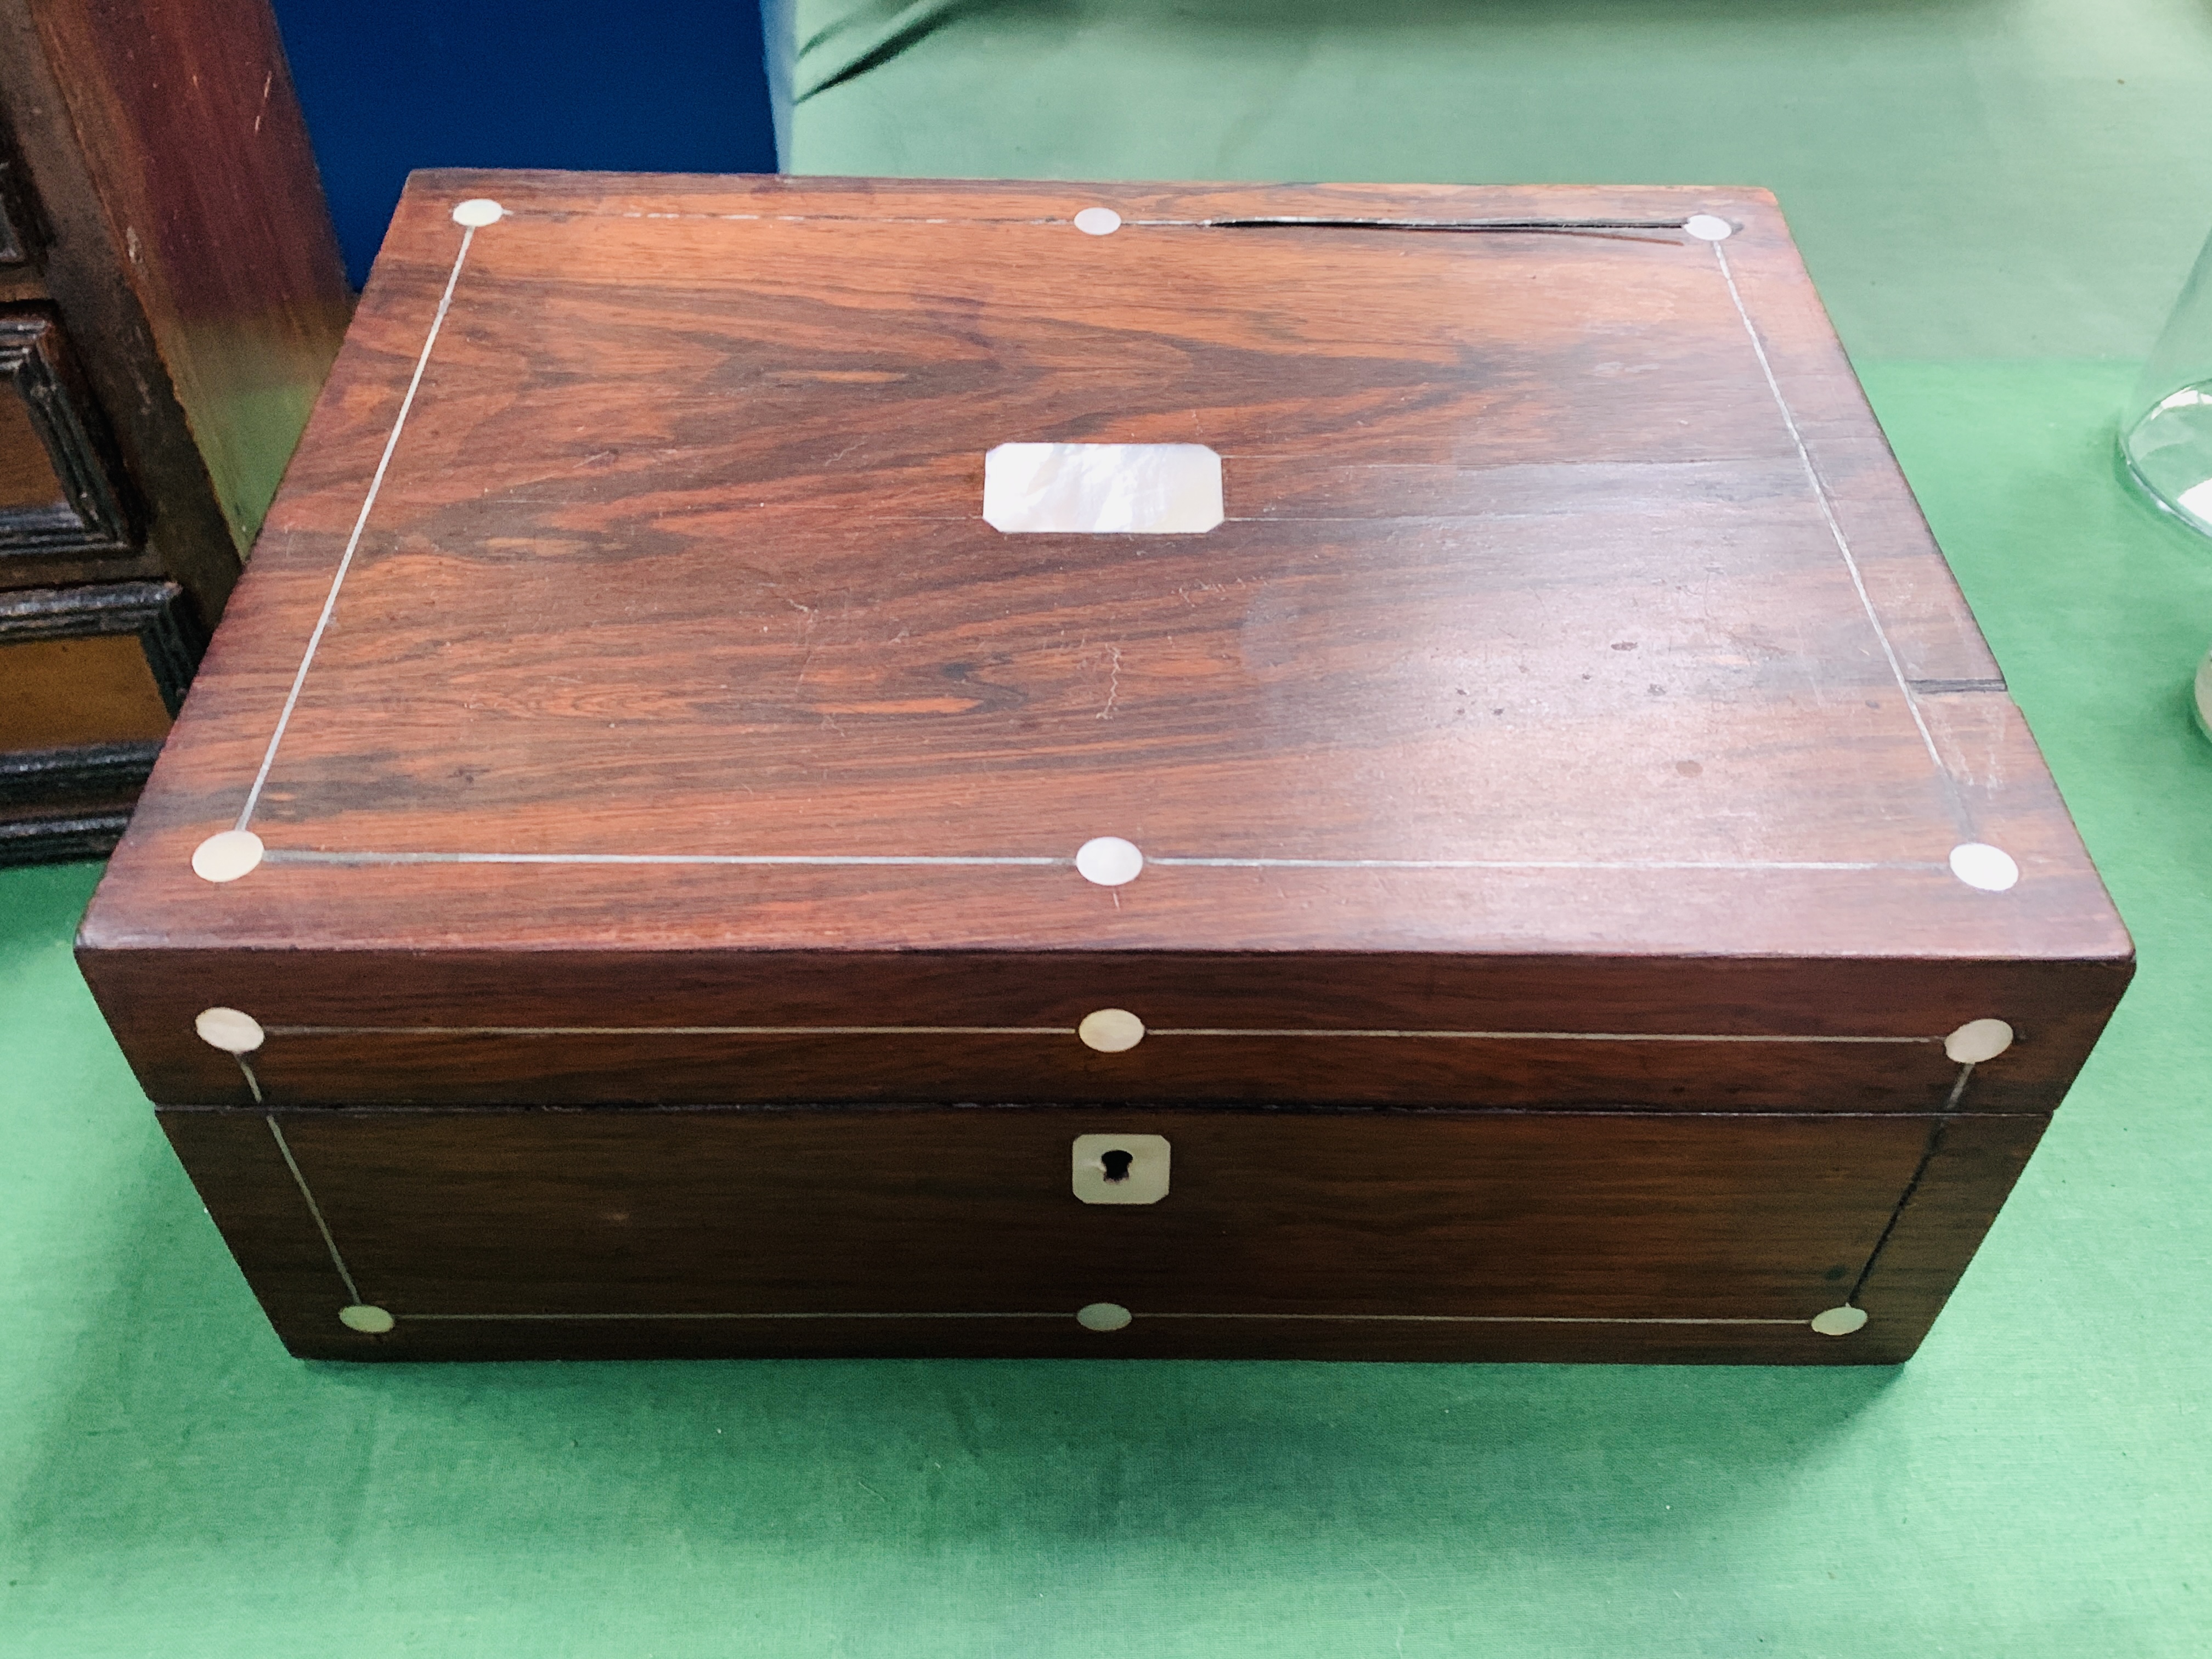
(2165,431)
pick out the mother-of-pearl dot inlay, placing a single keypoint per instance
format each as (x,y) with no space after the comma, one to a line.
(366,1318)
(1099,221)
(1109,1031)
(229,1030)
(477,212)
(1109,861)
(1840,1321)
(1709,227)
(1980,864)
(1978,1040)
(228,856)
(1102,1316)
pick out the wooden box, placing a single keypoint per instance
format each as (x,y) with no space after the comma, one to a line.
(651,863)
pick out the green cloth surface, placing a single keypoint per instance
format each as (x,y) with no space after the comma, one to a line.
(1998,224)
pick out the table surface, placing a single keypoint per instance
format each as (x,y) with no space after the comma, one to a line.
(1999,199)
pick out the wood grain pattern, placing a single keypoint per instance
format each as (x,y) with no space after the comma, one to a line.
(152,996)
(183,239)
(679,557)
(1311,1227)
(187,120)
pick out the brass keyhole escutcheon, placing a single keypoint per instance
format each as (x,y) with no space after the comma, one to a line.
(1119,1168)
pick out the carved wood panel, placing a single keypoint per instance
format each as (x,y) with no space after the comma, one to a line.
(57,488)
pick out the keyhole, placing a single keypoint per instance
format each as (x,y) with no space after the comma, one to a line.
(1117,1165)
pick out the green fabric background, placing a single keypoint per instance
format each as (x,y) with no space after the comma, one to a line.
(1998,198)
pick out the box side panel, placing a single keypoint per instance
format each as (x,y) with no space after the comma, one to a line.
(1436,1234)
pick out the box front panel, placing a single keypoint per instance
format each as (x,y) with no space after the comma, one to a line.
(495,1028)
(1436,1234)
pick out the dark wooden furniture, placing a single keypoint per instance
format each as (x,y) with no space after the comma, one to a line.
(170,298)
(635,874)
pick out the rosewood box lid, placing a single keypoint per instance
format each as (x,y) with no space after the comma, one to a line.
(1561,703)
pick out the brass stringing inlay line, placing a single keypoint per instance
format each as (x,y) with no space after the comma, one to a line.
(286,856)
(1828,516)
(1059,1030)
(345,1277)
(1288,221)
(1392,1319)
(353,542)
